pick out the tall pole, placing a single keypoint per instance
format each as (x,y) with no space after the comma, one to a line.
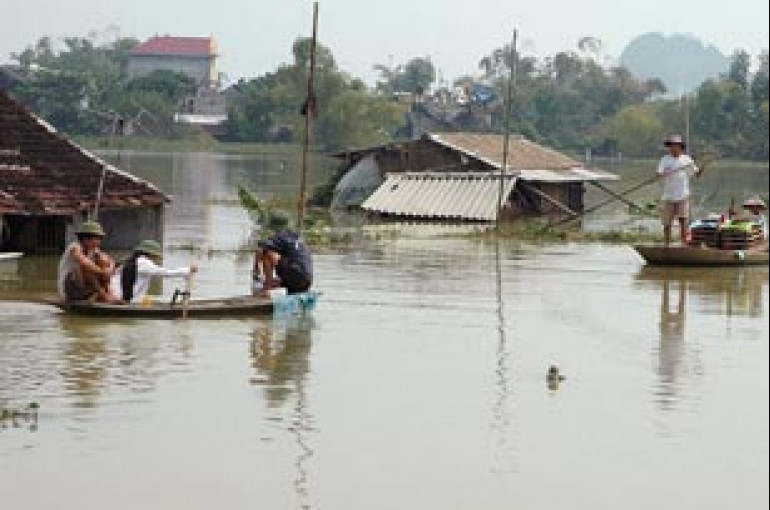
(310,108)
(687,121)
(507,124)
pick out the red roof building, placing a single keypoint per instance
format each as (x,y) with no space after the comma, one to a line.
(167,45)
(193,56)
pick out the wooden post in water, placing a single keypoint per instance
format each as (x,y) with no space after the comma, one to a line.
(309,110)
(507,123)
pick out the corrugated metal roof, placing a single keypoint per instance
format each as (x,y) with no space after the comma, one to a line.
(465,196)
(577,174)
(523,154)
(41,172)
(529,160)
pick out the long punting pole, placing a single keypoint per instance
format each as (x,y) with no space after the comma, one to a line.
(309,112)
(507,137)
(99,193)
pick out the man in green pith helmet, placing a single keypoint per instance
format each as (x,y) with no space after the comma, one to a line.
(84,270)
(132,280)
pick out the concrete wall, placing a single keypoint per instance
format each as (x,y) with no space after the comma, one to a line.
(201,69)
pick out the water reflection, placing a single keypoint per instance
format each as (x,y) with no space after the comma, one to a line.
(501,419)
(720,291)
(280,352)
(133,355)
(671,350)
(725,292)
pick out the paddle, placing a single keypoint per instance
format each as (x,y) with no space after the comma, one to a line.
(187,292)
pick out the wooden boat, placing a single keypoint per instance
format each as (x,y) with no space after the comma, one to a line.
(241,306)
(702,256)
(10,256)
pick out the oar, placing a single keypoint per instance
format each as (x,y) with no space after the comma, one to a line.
(615,197)
(187,293)
(708,160)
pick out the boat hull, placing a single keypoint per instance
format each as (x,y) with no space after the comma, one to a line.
(242,306)
(702,257)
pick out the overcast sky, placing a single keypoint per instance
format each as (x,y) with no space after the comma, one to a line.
(254,36)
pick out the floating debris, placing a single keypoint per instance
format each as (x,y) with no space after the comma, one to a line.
(554,378)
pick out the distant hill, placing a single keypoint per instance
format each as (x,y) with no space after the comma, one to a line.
(682,61)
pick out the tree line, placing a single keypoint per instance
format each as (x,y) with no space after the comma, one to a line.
(571,101)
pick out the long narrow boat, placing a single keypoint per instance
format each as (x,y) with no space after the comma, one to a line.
(10,256)
(696,256)
(241,306)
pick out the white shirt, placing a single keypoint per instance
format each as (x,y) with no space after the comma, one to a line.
(146,270)
(676,174)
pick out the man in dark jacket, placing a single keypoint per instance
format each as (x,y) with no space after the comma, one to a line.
(284,260)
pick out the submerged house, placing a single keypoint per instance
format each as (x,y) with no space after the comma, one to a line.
(457,176)
(49,186)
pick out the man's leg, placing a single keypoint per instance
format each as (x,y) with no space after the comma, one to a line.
(667,219)
(102,282)
(268,262)
(684,230)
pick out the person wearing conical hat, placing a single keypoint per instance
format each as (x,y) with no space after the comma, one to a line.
(84,270)
(756,208)
(675,170)
(132,280)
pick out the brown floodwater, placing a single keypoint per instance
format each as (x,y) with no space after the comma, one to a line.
(418,382)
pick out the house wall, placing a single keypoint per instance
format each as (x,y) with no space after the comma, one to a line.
(202,69)
(33,234)
(125,228)
(524,203)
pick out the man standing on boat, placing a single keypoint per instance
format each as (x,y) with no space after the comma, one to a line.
(675,170)
(284,260)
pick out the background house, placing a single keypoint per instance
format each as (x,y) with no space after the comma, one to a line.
(194,56)
(48,187)
(457,176)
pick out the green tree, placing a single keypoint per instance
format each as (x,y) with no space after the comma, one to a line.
(740,68)
(419,74)
(636,130)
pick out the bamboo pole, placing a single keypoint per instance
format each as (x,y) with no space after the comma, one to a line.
(99,193)
(310,107)
(507,123)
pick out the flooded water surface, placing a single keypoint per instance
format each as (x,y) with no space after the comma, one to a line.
(418,382)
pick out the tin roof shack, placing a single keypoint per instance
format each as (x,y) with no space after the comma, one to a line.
(456,176)
(48,186)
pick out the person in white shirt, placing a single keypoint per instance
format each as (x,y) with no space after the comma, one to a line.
(132,280)
(675,170)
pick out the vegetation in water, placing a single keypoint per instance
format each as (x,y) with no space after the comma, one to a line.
(539,231)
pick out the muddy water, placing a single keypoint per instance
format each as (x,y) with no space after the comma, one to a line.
(419,382)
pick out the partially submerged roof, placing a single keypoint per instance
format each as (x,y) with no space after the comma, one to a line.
(528,160)
(43,173)
(470,196)
(177,46)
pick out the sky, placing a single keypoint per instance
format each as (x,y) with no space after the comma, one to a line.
(255,36)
